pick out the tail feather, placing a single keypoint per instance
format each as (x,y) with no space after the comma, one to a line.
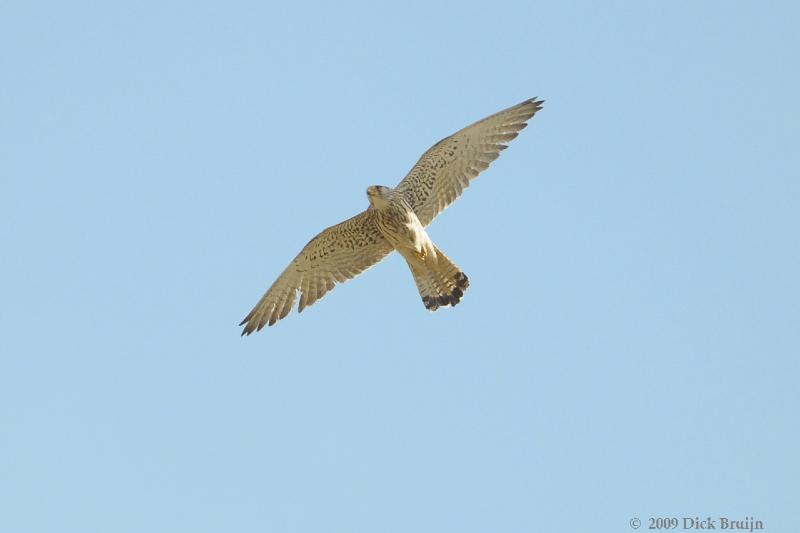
(439,280)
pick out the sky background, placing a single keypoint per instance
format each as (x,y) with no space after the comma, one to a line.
(629,343)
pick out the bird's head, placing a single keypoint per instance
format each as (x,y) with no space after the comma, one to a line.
(377,195)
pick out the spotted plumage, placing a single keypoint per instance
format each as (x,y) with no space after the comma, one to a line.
(396,220)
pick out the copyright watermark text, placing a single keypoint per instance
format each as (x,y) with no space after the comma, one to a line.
(696,523)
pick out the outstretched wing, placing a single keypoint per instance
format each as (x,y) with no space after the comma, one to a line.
(445,170)
(336,255)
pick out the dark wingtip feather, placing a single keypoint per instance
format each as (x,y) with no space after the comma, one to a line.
(534,102)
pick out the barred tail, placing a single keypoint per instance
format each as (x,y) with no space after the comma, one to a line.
(439,280)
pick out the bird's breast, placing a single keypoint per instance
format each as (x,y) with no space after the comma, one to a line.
(401,227)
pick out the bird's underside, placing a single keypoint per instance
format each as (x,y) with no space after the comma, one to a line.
(396,220)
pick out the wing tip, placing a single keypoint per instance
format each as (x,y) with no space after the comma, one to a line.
(533,104)
(247,329)
(524,111)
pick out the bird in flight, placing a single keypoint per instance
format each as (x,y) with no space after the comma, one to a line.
(396,220)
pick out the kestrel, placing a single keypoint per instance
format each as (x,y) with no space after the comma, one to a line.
(396,220)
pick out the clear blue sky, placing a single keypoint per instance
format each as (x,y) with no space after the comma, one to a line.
(628,346)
